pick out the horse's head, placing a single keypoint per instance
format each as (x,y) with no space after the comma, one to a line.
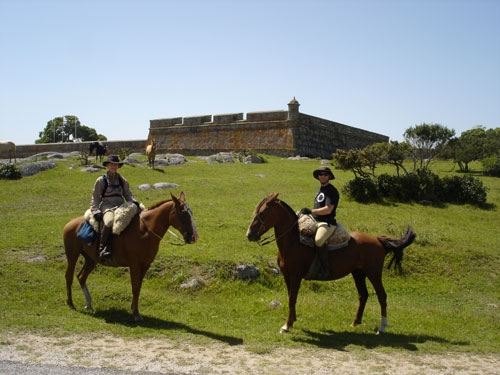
(263,218)
(183,219)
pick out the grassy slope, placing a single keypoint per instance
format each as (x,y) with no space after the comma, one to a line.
(447,300)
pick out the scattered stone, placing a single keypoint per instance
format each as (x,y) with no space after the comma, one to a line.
(144,187)
(175,159)
(31,169)
(253,159)
(37,259)
(165,185)
(246,271)
(192,284)
(298,157)
(274,304)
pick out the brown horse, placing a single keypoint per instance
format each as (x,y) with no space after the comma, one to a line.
(363,257)
(100,150)
(9,148)
(151,153)
(136,247)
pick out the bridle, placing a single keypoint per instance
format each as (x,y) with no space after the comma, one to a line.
(168,230)
(272,237)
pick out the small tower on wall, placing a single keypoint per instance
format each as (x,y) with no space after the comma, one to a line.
(293,109)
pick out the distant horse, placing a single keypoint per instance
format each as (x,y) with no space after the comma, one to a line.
(363,257)
(9,148)
(136,247)
(151,153)
(100,150)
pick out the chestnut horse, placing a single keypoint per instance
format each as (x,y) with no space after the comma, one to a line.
(151,153)
(363,257)
(136,247)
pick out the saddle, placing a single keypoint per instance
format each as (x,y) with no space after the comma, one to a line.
(123,216)
(307,229)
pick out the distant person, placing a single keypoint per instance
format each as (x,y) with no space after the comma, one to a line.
(110,192)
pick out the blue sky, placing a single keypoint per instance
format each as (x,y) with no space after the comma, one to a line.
(380,65)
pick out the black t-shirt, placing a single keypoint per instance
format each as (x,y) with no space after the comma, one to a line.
(327,195)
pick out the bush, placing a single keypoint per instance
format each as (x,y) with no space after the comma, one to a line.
(417,186)
(491,166)
(10,172)
(466,189)
(362,189)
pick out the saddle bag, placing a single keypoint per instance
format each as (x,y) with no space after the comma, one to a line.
(87,233)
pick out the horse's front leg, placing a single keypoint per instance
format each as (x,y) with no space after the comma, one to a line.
(137,274)
(293,286)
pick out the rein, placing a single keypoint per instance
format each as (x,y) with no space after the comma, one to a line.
(272,237)
(158,236)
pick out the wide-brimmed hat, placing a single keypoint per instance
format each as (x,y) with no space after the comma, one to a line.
(323,170)
(113,159)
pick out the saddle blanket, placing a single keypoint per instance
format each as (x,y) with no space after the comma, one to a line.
(339,239)
(123,216)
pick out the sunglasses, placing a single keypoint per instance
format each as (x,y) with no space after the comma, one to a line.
(323,174)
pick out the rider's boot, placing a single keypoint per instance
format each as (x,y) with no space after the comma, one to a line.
(324,272)
(105,243)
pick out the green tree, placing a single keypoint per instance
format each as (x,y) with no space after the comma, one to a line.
(397,153)
(68,129)
(469,147)
(427,141)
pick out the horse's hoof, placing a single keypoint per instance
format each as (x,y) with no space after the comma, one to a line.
(284,329)
(379,332)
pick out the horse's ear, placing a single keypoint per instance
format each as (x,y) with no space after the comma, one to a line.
(176,201)
(274,196)
(182,197)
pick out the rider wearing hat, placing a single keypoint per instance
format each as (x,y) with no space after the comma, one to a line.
(110,191)
(324,211)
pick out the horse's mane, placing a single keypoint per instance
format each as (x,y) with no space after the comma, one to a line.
(157,204)
(284,204)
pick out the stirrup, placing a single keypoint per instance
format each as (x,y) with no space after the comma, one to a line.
(105,254)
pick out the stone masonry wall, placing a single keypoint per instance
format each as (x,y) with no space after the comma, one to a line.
(23,151)
(279,133)
(282,133)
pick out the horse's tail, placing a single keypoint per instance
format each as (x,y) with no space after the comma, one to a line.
(396,246)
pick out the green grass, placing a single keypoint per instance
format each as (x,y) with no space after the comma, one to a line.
(447,300)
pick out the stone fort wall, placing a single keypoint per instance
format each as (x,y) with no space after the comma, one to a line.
(282,133)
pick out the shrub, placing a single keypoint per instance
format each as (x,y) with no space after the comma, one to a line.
(466,189)
(10,172)
(362,189)
(491,166)
(422,185)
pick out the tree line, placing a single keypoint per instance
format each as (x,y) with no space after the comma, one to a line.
(415,181)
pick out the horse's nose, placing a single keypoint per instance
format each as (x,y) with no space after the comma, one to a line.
(252,236)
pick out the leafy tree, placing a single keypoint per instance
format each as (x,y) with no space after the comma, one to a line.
(427,141)
(397,153)
(469,147)
(350,160)
(62,129)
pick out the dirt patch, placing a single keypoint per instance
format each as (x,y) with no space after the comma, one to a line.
(181,357)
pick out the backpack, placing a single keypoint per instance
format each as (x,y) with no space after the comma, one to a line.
(105,183)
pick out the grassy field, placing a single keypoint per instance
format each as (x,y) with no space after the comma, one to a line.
(447,300)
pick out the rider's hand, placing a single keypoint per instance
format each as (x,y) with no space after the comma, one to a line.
(305,211)
(98,217)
